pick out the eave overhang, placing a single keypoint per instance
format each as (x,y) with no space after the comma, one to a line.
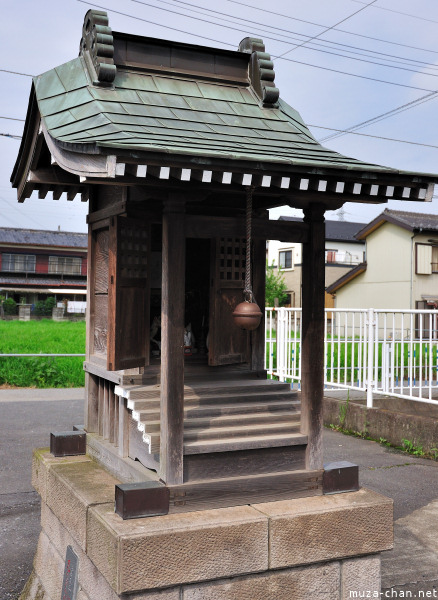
(139,111)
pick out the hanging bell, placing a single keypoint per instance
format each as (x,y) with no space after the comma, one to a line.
(247,315)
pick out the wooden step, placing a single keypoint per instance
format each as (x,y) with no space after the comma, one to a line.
(221,421)
(231,443)
(216,410)
(219,399)
(239,431)
(254,386)
(244,443)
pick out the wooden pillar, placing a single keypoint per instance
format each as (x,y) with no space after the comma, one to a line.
(312,342)
(259,284)
(91,403)
(172,342)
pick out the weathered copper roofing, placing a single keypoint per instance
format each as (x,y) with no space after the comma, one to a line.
(150,102)
(173,114)
(165,113)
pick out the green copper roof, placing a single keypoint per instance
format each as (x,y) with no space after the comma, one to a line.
(179,115)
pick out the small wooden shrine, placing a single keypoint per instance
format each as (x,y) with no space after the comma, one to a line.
(169,142)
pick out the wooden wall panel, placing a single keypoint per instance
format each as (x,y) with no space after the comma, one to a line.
(128,294)
(100,324)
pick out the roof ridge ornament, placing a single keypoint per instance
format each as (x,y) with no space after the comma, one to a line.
(97,48)
(261,71)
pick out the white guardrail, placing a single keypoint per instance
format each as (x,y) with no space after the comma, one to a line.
(388,352)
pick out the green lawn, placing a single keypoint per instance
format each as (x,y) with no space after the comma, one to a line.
(46,337)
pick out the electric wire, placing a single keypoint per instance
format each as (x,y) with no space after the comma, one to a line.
(321,43)
(11,135)
(283,58)
(117,12)
(189,16)
(353,33)
(16,73)
(329,28)
(383,116)
(400,12)
(378,137)
(12,119)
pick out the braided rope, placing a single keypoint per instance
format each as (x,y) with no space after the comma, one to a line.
(247,291)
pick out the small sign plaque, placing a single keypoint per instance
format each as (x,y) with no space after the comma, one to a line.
(70,581)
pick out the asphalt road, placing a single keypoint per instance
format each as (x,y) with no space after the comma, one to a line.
(26,419)
(28,416)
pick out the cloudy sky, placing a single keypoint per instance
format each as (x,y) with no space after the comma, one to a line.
(340,63)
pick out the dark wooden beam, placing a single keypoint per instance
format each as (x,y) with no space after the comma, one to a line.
(53,176)
(257,337)
(312,341)
(208,227)
(172,342)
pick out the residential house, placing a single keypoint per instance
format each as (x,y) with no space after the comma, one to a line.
(401,267)
(37,264)
(342,253)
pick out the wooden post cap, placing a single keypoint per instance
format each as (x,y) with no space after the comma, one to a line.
(143,499)
(341,476)
(68,443)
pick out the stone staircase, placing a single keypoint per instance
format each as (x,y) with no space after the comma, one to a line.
(222,414)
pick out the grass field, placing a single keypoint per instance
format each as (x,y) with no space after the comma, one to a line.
(45,337)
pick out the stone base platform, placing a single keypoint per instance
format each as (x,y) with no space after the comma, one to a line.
(322,547)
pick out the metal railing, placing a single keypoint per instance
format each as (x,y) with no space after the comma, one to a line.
(40,354)
(388,352)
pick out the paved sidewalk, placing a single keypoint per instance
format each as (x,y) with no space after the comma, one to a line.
(28,416)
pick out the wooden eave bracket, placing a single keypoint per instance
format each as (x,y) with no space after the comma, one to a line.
(56,178)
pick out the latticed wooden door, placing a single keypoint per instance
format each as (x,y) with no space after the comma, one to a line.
(227,343)
(128,294)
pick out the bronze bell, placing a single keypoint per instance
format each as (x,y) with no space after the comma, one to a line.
(247,315)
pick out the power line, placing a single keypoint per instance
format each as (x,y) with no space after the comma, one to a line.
(16,73)
(12,119)
(355,75)
(324,44)
(383,116)
(117,12)
(264,10)
(288,59)
(189,16)
(329,28)
(10,135)
(378,137)
(400,13)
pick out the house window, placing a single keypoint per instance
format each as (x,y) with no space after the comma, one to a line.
(426,259)
(330,256)
(290,300)
(18,262)
(434,259)
(285,259)
(65,265)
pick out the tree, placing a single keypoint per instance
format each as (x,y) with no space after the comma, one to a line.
(275,287)
(10,306)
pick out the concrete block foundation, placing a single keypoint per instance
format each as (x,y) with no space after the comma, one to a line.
(323,547)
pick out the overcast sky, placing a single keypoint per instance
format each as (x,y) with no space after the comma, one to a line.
(328,72)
